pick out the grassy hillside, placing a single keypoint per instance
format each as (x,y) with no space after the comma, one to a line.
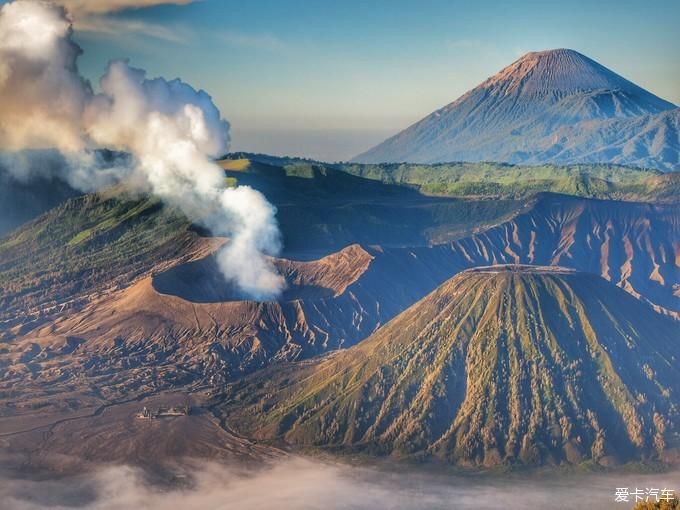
(495,179)
(517,365)
(87,243)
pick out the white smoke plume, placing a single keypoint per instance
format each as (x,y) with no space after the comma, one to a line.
(103,6)
(171,130)
(42,96)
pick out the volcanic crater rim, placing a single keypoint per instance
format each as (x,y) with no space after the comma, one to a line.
(521,269)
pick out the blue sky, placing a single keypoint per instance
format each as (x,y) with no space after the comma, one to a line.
(330,78)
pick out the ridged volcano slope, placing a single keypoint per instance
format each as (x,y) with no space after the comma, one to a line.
(555,106)
(507,364)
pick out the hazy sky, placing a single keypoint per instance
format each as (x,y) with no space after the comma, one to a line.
(330,78)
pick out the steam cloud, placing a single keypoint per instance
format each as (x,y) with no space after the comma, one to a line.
(101,6)
(300,484)
(171,130)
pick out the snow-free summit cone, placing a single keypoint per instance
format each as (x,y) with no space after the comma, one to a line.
(556,106)
(499,365)
(564,72)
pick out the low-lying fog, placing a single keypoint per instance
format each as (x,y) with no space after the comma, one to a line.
(304,484)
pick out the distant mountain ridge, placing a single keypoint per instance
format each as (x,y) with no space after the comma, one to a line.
(556,106)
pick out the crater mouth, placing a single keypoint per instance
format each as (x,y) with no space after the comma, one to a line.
(520,268)
(201,281)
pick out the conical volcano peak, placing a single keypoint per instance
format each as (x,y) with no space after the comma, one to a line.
(555,106)
(563,71)
(499,365)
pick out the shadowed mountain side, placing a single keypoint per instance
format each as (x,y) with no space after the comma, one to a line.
(34,181)
(501,365)
(21,202)
(632,245)
(322,209)
(648,141)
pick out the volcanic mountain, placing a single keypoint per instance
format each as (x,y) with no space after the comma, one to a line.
(127,292)
(110,302)
(500,364)
(555,106)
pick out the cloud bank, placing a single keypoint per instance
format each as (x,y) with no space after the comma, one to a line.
(170,129)
(300,484)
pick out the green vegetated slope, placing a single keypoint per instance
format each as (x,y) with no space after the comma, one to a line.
(493,180)
(87,243)
(497,179)
(34,181)
(514,365)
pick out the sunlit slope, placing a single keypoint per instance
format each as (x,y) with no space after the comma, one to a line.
(486,179)
(555,106)
(498,365)
(634,246)
(90,243)
(478,179)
